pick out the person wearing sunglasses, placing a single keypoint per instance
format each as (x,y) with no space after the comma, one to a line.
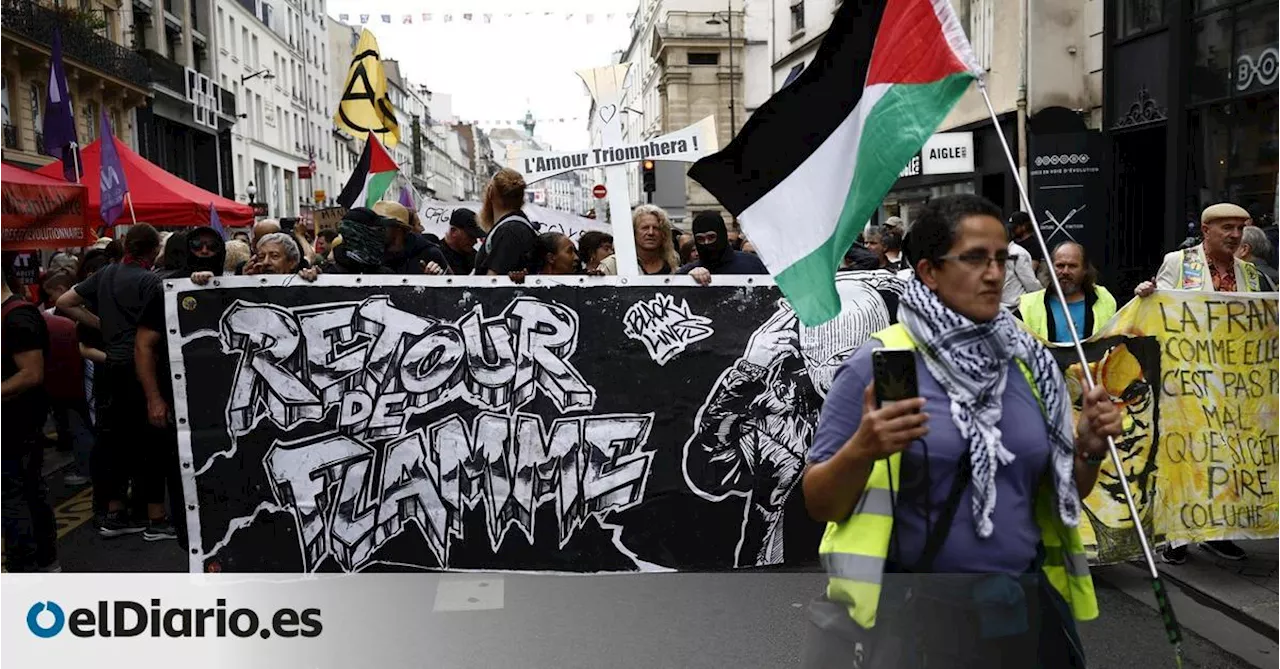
(953,517)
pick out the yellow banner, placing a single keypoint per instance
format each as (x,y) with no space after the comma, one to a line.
(1196,375)
(364,106)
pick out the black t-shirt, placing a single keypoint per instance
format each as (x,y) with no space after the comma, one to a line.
(119,294)
(153,318)
(24,330)
(510,247)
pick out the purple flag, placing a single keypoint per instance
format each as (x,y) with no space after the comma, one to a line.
(215,222)
(59,121)
(406,197)
(111,179)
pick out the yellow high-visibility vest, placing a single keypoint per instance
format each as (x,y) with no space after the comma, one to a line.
(854,550)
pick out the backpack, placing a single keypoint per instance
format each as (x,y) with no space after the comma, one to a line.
(63,367)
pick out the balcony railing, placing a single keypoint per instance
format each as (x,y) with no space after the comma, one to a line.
(165,71)
(36,23)
(10,136)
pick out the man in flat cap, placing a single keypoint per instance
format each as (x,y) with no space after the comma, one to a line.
(1211,265)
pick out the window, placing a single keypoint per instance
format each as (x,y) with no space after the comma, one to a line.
(90,114)
(257,62)
(704,58)
(797,16)
(977,18)
(4,97)
(231,36)
(244,44)
(1137,16)
(222,32)
(37,121)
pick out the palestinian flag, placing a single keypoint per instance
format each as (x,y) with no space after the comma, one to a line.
(371,178)
(813,163)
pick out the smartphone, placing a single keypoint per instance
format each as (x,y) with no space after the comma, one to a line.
(288,224)
(894,371)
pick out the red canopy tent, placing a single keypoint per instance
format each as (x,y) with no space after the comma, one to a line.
(159,198)
(40,212)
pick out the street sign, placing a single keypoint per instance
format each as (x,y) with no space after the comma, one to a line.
(319,195)
(259,209)
(599,191)
(304,171)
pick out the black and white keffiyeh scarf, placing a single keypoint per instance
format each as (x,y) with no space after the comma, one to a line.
(971,362)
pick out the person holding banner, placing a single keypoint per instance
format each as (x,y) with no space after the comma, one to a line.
(1223,226)
(980,477)
(510,240)
(715,254)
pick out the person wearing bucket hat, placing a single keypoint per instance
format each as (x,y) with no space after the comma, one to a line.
(408,252)
(360,245)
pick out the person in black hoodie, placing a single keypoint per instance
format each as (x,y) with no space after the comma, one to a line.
(206,255)
(715,256)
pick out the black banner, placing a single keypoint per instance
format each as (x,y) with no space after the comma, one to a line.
(1068,188)
(392,423)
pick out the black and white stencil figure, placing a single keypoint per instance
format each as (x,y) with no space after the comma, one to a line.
(665,327)
(395,423)
(752,433)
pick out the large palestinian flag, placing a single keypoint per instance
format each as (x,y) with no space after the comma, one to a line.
(813,163)
(371,177)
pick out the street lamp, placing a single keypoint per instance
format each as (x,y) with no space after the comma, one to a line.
(265,74)
(715,21)
(252,190)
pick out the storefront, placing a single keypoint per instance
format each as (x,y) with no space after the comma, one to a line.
(1231,111)
(1190,115)
(962,160)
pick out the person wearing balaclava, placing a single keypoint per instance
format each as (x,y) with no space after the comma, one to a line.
(715,255)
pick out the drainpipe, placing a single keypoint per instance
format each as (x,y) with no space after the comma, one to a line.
(1023,7)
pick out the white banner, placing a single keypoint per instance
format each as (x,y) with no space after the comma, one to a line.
(435,218)
(685,145)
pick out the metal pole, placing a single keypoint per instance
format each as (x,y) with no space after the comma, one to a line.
(75,159)
(1166,609)
(733,121)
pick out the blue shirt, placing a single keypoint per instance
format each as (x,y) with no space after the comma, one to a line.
(1012,546)
(1060,333)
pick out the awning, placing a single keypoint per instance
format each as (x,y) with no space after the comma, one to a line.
(159,198)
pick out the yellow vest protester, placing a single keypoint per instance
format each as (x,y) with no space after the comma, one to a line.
(1196,374)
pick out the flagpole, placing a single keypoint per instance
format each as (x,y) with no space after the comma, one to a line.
(1171,626)
(128,197)
(75,159)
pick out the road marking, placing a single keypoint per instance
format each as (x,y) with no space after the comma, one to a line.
(74,512)
(71,514)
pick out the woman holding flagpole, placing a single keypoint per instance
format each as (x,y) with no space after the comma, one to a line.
(952,516)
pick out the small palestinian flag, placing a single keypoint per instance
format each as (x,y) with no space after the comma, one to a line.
(813,163)
(372,176)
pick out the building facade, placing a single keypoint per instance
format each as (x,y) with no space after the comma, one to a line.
(185,128)
(1190,118)
(687,61)
(262,63)
(102,74)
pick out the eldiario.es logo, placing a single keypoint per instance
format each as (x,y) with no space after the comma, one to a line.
(125,618)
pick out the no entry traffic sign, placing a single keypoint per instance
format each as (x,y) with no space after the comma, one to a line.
(599,191)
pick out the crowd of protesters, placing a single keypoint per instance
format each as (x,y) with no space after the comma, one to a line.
(87,350)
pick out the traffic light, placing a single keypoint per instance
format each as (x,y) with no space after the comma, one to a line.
(650,176)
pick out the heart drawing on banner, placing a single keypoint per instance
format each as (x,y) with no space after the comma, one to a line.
(607,112)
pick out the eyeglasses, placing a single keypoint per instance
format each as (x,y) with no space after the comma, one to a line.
(979,259)
(203,246)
